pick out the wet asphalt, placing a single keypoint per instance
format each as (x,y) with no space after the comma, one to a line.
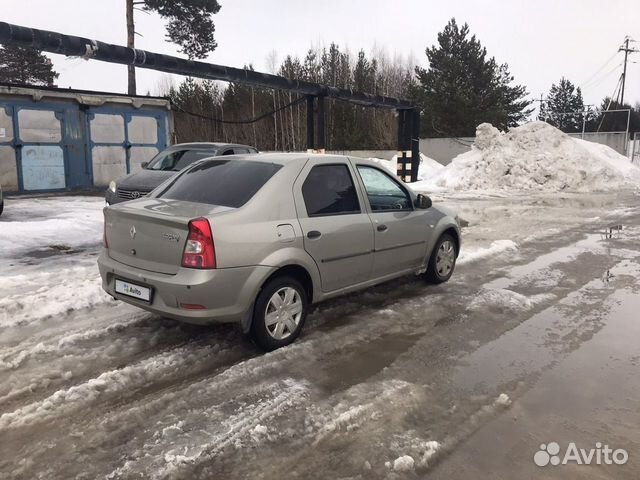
(521,348)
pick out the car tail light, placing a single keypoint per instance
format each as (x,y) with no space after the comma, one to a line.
(199,251)
(104,233)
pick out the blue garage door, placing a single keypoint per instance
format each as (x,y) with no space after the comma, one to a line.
(120,141)
(45,145)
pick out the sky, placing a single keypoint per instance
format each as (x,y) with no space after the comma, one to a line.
(541,40)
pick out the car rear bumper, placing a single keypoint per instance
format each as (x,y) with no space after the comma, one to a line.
(227,294)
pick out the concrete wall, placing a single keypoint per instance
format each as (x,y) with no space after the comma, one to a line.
(615,140)
(385,154)
(444,150)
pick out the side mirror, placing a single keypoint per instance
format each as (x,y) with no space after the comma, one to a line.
(423,202)
(144,164)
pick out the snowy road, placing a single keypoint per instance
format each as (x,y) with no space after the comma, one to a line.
(541,299)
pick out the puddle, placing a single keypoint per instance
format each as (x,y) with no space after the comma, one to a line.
(364,361)
(53,250)
(592,243)
(547,336)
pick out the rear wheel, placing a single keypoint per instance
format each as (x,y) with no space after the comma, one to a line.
(279,313)
(1,206)
(443,260)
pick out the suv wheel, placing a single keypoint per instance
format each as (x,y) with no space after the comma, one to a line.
(279,313)
(443,260)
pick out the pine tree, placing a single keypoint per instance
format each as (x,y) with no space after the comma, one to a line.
(26,66)
(564,107)
(190,26)
(463,88)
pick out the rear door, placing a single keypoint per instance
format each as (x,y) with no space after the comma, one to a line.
(337,231)
(401,231)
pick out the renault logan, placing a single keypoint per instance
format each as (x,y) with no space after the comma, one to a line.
(256,239)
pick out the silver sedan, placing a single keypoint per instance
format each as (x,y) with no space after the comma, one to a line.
(256,239)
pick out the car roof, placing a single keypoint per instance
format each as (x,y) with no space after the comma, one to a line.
(292,158)
(208,145)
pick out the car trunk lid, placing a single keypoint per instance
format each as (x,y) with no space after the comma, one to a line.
(150,234)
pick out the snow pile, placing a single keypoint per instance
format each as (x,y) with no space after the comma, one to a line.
(533,157)
(471,254)
(39,223)
(428,166)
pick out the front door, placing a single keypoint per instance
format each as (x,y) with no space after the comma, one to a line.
(338,233)
(401,232)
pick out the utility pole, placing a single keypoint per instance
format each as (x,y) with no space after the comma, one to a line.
(626,51)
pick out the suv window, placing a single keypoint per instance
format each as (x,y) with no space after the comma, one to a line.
(175,160)
(384,192)
(329,190)
(221,182)
(238,150)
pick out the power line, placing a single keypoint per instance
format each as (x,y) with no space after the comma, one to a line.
(248,121)
(599,69)
(601,78)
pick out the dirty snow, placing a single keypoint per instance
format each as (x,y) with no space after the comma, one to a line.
(533,157)
(42,222)
(93,389)
(403,464)
(471,254)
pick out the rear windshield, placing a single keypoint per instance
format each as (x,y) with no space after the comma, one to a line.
(176,160)
(228,183)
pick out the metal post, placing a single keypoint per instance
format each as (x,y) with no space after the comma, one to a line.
(407,166)
(415,144)
(626,135)
(321,142)
(310,124)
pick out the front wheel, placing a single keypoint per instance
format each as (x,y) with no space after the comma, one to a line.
(443,260)
(279,313)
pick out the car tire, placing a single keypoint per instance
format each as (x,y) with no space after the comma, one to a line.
(443,260)
(279,313)
(1,207)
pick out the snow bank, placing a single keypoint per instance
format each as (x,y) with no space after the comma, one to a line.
(533,157)
(472,254)
(428,166)
(39,223)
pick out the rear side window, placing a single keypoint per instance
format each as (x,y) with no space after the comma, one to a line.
(329,190)
(229,183)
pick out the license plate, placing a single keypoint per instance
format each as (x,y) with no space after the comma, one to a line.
(133,290)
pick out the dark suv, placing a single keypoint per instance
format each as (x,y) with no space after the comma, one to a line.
(165,165)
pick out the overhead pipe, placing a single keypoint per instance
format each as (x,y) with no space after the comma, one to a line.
(54,42)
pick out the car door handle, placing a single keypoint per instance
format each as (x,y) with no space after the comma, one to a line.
(382,228)
(314,234)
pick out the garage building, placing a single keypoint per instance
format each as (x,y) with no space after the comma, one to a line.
(61,139)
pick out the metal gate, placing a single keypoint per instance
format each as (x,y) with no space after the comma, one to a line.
(41,147)
(121,140)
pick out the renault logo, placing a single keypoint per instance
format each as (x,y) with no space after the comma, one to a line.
(132,232)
